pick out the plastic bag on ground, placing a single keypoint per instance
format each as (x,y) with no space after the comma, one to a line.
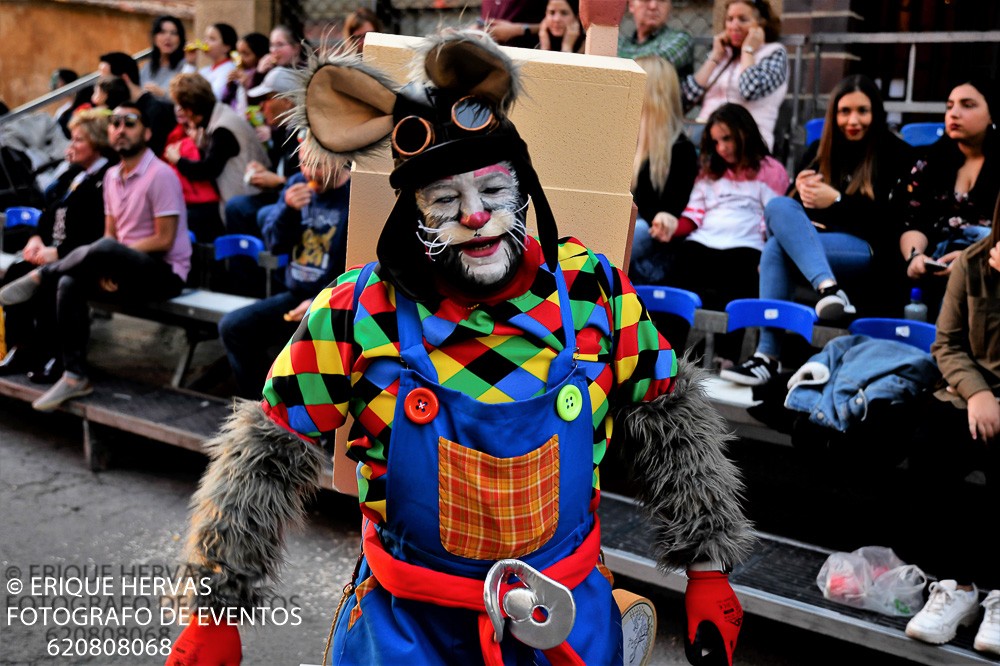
(875,579)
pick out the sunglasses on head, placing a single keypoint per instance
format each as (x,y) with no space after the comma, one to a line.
(413,134)
(129,120)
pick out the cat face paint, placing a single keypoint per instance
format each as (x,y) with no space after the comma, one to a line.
(474,227)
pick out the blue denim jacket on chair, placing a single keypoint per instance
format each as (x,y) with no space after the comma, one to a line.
(862,370)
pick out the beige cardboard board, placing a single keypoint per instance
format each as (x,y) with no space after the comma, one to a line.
(579,115)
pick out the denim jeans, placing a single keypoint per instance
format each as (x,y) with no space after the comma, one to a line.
(248,334)
(793,247)
(968,236)
(651,260)
(141,278)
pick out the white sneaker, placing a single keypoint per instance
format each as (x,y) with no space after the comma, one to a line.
(946,608)
(988,636)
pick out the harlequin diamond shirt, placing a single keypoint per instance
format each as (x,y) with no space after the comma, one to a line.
(495,351)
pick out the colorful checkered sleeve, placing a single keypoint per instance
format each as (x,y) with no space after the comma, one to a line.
(309,385)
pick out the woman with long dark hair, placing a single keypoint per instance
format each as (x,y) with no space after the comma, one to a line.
(560,30)
(948,197)
(167,59)
(723,222)
(836,221)
(218,45)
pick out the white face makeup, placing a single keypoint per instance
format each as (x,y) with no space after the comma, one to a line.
(473,226)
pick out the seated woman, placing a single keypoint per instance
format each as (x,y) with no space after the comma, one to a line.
(220,41)
(560,30)
(947,200)
(249,50)
(746,66)
(285,50)
(109,92)
(722,226)
(167,59)
(74,218)
(836,221)
(959,433)
(664,170)
(227,143)
(358,24)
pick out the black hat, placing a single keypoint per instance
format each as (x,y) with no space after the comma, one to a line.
(452,119)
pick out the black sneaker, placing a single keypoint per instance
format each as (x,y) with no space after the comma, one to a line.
(756,370)
(834,305)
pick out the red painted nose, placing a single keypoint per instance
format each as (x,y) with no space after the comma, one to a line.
(476,220)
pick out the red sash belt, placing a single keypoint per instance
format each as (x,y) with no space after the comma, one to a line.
(417,583)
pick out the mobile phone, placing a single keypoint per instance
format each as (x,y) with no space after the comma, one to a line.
(934,265)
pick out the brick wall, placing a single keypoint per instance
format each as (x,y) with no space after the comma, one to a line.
(39,36)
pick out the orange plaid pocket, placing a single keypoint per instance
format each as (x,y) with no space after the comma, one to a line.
(492,508)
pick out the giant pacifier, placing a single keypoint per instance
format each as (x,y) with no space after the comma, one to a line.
(540,611)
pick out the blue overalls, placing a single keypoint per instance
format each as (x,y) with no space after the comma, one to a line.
(470,483)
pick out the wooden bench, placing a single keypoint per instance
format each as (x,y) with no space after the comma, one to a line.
(178,417)
(197,311)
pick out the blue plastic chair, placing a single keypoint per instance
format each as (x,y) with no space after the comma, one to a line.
(669,300)
(19,216)
(814,129)
(16,217)
(231,245)
(920,334)
(921,134)
(769,313)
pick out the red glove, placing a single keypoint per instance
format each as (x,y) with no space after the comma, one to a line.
(714,616)
(207,644)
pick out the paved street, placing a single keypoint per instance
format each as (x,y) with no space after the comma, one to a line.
(55,513)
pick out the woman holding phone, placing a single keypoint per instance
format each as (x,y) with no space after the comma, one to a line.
(947,200)
(747,66)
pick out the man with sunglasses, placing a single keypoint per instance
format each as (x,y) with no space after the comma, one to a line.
(145,254)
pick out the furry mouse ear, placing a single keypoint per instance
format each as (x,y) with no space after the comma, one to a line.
(470,63)
(345,106)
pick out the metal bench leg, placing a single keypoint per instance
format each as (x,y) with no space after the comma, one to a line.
(95,452)
(706,360)
(184,364)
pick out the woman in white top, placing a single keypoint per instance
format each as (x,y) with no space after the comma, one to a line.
(722,226)
(220,43)
(747,66)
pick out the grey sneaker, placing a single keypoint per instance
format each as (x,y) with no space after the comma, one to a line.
(834,306)
(21,289)
(65,389)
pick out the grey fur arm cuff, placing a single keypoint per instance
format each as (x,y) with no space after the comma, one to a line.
(675,447)
(257,483)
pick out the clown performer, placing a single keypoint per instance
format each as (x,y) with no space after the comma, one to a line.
(483,370)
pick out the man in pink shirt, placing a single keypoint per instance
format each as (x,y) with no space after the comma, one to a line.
(145,254)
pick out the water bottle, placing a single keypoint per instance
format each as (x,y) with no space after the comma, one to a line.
(916,310)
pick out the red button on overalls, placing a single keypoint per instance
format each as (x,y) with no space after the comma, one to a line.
(421,405)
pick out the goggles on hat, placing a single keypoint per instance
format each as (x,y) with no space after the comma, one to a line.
(414,134)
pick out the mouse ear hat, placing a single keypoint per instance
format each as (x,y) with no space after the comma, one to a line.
(451,118)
